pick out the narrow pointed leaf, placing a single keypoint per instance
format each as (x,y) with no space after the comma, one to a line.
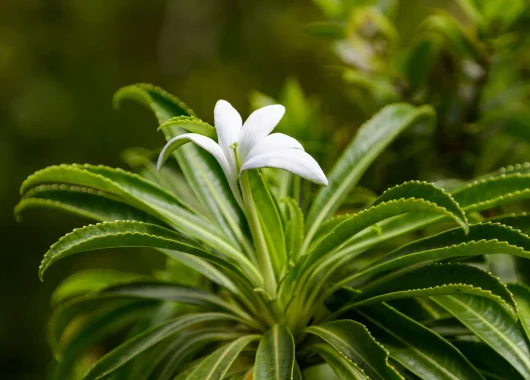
(216,365)
(202,266)
(124,234)
(502,188)
(461,42)
(294,230)
(131,184)
(68,311)
(371,139)
(91,280)
(522,168)
(429,192)
(275,356)
(493,324)
(82,201)
(191,124)
(352,340)
(186,347)
(343,368)
(134,347)
(349,226)
(494,191)
(143,162)
(94,329)
(164,105)
(519,221)
(417,348)
(437,279)
(481,239)
(269,217)
(138,192)
(521,293)
(200,169)
(487,361)
(102,206)
(421,191)
(161,291)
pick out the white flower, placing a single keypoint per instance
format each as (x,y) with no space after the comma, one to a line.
(250,145)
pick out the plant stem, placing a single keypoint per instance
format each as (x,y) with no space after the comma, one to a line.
(260,244)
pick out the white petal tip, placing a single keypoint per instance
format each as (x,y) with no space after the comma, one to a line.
(222,102)
(278,108)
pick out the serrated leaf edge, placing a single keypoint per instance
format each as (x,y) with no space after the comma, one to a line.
(48,259)
(143,89)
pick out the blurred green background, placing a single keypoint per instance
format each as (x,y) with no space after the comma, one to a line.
(62,60)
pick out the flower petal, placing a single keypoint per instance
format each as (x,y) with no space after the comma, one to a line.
(204,142)
(211,147)
(294,160)
(275,141)
(258,125)
(228,124)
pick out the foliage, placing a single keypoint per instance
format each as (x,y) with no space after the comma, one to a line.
(400,289)
(468,61)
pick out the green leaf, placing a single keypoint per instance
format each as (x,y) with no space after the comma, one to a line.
(505,186)
(437,279)
(481,239)
(203,267)
(133,347)
(124,234)
(69,311)
(186,347)
(461,42)
(294,230)
(339,230)
(216,365)
(95,328)
(143,162)
(275,356)
(161,291)
(500,17)
(201,170)
(487,361)
(139,193)
(521,293)
(493,324)
(269,217)
(415,347)
(164,105)
(82,201)
(102,206)
(343,368)
(519,221)
(420,61)
(191,124)
(127,182)
(522,168)
(429,192)
(493,191)
(90,280)
(371,139)
(352,340)
(149,359)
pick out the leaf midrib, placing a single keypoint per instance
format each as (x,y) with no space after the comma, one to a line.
(442,368)
(347,344)
(338,193)
(517,350)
